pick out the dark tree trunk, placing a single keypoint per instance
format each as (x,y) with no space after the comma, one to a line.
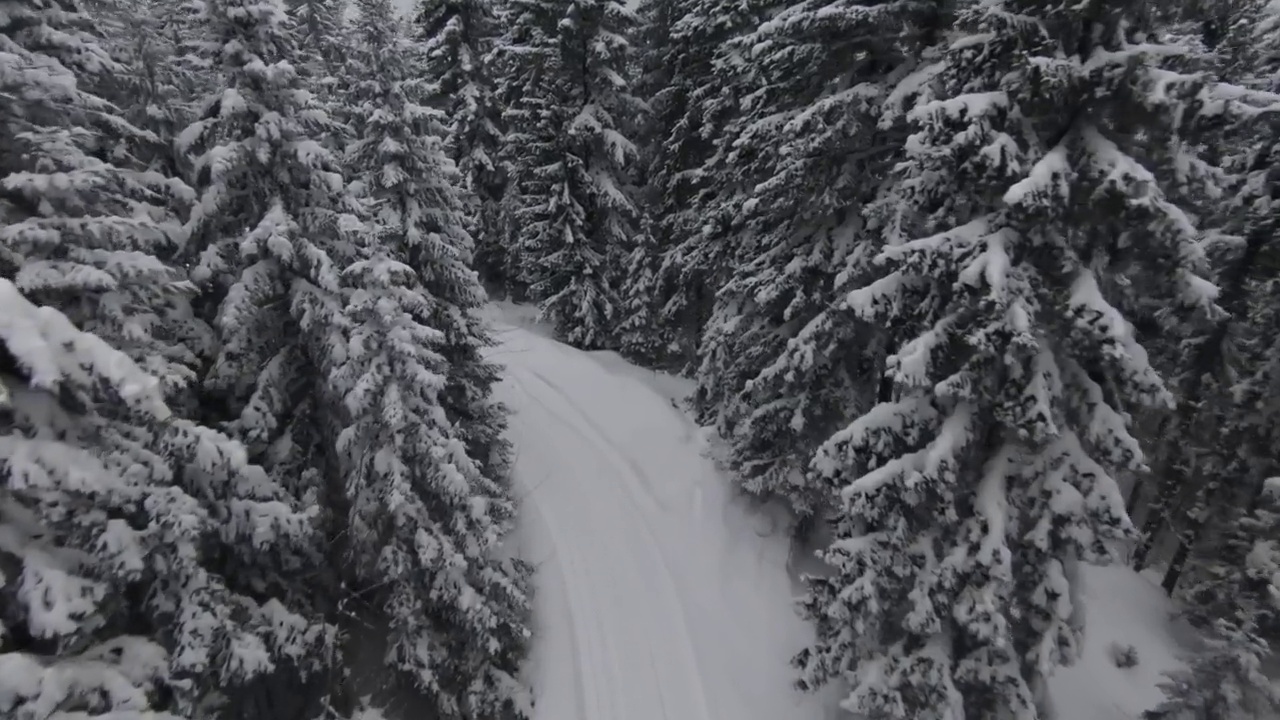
(1179,563)
(1150,532)
(1207,358)
(1135,495)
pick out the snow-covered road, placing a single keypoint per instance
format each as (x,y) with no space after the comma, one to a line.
(660,596)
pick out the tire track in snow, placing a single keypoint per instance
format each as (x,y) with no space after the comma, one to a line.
(614,545)
(642,479)
(619,453)
(597,692)
(610,537)
(643,613)
(585,656)
(628,487)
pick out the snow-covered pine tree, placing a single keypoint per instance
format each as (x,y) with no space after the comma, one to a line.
(1201,485)
(524,62)
(1231,528)
(448,272)
(426,514)
(1233,562)
(320,59)
(271,216)
(567,71)
(640,337)
(640,334)
(271,223)
(692,100)
(745,157)
(146,566)
(782,369)
(1032,193)
(319,26)
(1236,608)
(1195,360)
(145,562)
(155,83)
(87,228)
(1225,680)
(457,39)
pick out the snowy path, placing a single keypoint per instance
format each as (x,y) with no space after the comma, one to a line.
(659,596)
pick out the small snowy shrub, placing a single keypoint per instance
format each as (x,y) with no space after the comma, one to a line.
(1124,655)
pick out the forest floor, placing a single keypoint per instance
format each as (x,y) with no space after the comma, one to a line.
(662,594)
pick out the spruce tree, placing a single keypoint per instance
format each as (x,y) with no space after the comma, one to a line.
(426,512)
(1198,486)
(147,566)
(146,563)
(268,237)
(271,217)
(457,39)
(567,72)
(1231,526)
(1030,213)
(783,368)
(692,88)
(90,225)
(528,80)
(1225,680)
(1236,610)
(640,335)
(320,57)
(155,82)
(319,26)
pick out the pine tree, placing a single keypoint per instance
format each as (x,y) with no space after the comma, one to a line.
(147,566)
(457,40)
(1198,485)
(525,62)
(1031,214)
(155,83)
(640,336)
(88,226)
(268,238)
(271,218)
(319,25)
(1225,680)
(820,154)
(426,512)
(1236,608)
(567,72)
(320,57)
(148,558)
(1228,515)
(692,90)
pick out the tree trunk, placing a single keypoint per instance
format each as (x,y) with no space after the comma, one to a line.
(1179,563)
(1232,300)
(1150,531)
(1135,494)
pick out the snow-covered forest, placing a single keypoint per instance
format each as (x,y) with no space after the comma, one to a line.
(981,294)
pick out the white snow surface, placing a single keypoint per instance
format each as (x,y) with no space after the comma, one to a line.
(660,594)
(1121,608)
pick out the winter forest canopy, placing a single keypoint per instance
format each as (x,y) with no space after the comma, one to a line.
(980,290)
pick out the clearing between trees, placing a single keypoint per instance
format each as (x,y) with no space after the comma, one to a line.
(662,595)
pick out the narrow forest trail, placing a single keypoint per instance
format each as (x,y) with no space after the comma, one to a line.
(660,596)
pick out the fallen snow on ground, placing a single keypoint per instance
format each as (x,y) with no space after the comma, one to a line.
(1124,608)
(660,594)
